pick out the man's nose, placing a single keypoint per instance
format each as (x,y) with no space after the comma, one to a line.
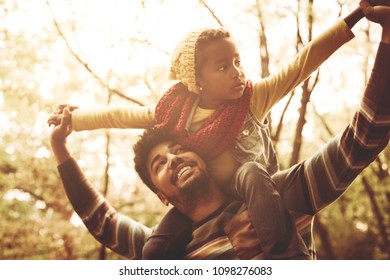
(174,161)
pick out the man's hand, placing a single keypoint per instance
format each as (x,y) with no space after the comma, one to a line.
(379,14)
(63,129)
(58,137)
(379,2)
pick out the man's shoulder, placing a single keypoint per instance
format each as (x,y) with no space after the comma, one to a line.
(242,235)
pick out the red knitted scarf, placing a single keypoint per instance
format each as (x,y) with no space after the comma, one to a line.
(217,132)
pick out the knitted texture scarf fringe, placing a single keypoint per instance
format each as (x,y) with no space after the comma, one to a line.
(217,132)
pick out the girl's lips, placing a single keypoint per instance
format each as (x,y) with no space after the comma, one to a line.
(239,85)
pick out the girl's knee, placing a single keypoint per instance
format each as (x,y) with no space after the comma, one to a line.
(252,178)
(253,171)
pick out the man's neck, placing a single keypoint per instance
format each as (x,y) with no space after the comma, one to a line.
(206,204)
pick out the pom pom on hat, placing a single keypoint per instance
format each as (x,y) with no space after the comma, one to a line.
(183,61)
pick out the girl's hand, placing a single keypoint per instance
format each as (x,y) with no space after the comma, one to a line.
(56,117)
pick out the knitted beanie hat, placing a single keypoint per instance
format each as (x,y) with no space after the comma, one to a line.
(183,61)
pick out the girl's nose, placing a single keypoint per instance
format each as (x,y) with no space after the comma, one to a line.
(237,72)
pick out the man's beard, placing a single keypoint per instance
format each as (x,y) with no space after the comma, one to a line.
(194,189)
(198,182)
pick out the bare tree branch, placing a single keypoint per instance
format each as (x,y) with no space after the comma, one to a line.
(203,2)
(85,64)
(299,43)
(323,121)
(147,42)
(341,6)
(264,54)
(50,204)
(276,135)
(306,93)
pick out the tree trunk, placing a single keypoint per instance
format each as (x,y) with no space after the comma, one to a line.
(276,135)
(379,217)
(264,54)
(322,232)
(306,92)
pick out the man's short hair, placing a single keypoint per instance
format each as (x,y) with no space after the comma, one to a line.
(147,141)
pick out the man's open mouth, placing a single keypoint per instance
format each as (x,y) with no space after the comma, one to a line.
(181,170)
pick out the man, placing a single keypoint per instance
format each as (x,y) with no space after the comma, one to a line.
(221,226)
(185,184)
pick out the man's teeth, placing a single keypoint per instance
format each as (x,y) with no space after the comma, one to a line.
(182,171)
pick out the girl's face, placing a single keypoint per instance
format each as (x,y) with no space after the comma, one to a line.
(220,76)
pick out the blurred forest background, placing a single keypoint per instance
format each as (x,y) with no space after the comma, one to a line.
(96,53)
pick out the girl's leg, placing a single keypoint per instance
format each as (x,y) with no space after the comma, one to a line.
(274,225)
(170,238)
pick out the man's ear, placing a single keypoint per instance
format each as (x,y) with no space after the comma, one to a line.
(163,198)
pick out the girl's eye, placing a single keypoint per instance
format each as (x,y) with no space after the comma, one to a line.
(238,63)
(222,68)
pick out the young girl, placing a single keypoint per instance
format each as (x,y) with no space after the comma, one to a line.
(219,114)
